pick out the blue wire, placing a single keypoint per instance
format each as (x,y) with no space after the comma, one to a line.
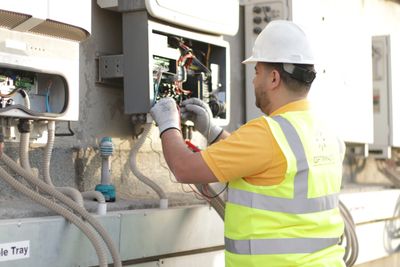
(47,100)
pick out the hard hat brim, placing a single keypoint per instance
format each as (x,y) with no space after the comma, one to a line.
(249,60)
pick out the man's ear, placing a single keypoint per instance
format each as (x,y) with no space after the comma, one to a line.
(275,79)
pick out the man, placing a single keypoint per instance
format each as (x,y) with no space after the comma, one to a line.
(284,169)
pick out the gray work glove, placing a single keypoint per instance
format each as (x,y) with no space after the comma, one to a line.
(200,114)
(166,115)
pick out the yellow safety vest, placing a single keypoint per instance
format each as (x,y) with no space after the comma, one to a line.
(297,222)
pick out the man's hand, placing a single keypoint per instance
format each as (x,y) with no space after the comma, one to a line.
(166,115)
(200,113)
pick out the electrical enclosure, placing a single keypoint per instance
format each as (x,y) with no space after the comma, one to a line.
(381,147)
(38,77)
(342,90)
(157,64)
(385,54)
(202,17)
(39,58)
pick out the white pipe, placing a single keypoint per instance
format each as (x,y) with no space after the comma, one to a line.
(102,207)
(69,191)
(132,159)
(105,170)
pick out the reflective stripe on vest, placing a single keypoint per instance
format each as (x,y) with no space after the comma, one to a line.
(299,204)
(278,246)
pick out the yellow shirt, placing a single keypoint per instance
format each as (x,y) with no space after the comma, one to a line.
(251,152)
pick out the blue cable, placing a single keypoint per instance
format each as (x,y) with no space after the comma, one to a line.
(48,100)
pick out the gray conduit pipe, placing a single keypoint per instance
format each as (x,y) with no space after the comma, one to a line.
(23,152)
(132,159)
(92,236)
(352,247)
(216,202)
(69,191)
(67,201)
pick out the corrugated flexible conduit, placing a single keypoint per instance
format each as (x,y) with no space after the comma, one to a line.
(92,236)
(352,247)
(68,202)
(23,152)
(216,202)
(144,179)
(69,191)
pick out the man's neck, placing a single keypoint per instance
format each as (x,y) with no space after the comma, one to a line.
(277,104)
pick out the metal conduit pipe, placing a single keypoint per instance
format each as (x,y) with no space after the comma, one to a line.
(352,247)
(216,202)
(92,236)
(132,159)
(67,201)
(69,191)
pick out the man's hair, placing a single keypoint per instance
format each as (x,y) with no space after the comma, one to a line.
(294,85)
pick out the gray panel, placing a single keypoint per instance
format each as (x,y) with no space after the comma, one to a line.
(139,233)
(54,241)
(136,62)
(210,259)
(155,232)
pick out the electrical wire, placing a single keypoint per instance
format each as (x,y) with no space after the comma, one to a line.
(349,236)
(47,104)
(206,193)
(216,202)
(161,163)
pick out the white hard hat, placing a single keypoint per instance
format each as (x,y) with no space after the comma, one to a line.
(281,41)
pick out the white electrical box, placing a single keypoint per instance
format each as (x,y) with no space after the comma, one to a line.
(342,91)
(39,58)
(70,18)
(385,53)
(381,147)
(216,17)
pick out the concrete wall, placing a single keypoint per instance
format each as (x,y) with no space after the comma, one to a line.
(76,161)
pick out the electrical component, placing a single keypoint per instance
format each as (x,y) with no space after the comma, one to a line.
(181,65)
(190,71)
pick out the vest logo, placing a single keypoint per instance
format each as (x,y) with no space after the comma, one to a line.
(321,154)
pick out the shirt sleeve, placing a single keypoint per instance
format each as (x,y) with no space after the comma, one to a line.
(245,153)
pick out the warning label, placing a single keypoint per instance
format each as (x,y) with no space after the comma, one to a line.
(14,251)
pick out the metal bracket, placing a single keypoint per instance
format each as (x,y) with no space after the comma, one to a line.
(110,69)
